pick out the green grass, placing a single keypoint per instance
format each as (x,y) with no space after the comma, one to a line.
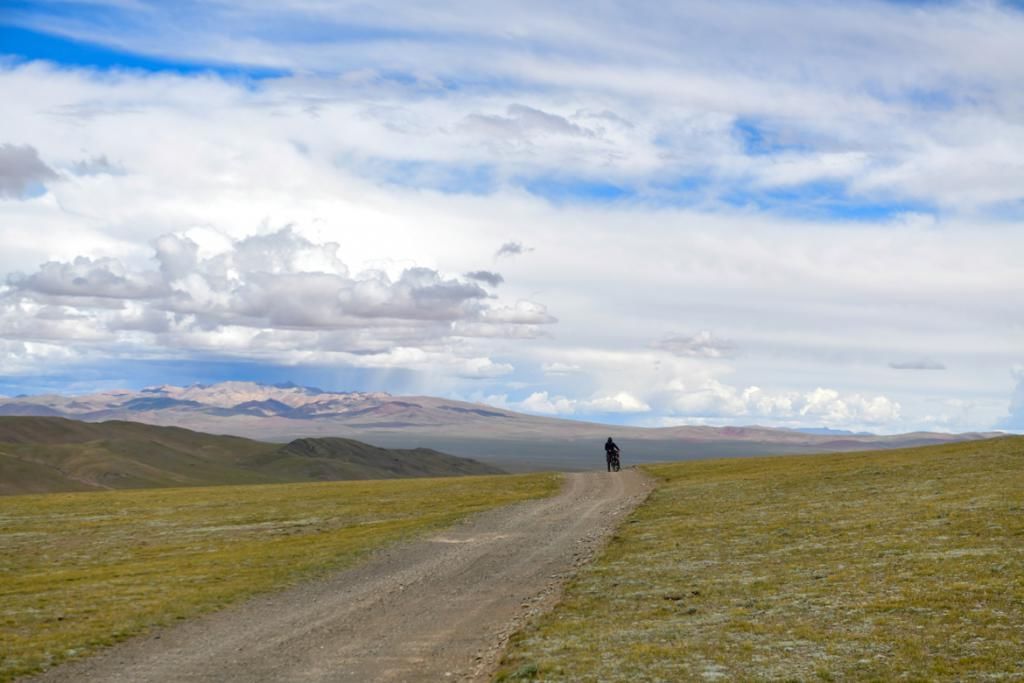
(84,570)
(894,565)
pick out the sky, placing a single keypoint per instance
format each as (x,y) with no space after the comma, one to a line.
(732,212)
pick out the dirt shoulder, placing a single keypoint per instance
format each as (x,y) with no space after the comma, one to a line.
(437,609)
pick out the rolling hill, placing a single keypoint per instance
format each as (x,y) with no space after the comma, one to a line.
(49,454)
(510,440)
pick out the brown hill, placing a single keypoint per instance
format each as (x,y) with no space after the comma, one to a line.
(49,454)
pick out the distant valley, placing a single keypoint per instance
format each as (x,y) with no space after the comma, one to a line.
(507,439)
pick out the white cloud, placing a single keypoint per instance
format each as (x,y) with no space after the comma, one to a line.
(275,293)
(835,409)
(713,399)
(278,280)
(542,402)
(395,183)
(86,278)
(25,358)
(893,99)
(622,402)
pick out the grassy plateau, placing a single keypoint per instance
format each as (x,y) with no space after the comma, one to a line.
(886,565)
(83,570)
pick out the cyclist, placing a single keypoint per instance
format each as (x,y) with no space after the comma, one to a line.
(611,451)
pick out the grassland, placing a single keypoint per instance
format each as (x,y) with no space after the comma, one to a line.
(84,570)
(891,565)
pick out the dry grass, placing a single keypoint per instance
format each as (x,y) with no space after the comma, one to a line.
(897,565)
(83,570)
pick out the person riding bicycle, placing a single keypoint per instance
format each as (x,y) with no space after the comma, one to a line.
(610,451)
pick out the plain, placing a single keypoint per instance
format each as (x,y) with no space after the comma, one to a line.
(84,570)
(882,565)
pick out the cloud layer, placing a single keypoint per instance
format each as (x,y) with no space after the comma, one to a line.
(732,211)
(276,293)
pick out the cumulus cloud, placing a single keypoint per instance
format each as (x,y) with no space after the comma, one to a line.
(486,276)
(921,364)
(25,357)
(702,344)
(622,402)
(274,280)
(691,389)
(87,278)
(263,292)
(826,406)
(542,402)
(834,408)
(21,170)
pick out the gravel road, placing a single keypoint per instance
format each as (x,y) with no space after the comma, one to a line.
(437,609)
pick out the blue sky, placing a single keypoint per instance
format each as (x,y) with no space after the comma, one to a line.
(787,213)
(26,44)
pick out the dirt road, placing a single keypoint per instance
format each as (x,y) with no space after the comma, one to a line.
(438,609)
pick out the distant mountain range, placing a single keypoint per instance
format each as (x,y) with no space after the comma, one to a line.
(511,440)
(49,454)
(227,399)
(826,431)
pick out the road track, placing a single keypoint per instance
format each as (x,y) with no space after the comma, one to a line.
(436,609)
